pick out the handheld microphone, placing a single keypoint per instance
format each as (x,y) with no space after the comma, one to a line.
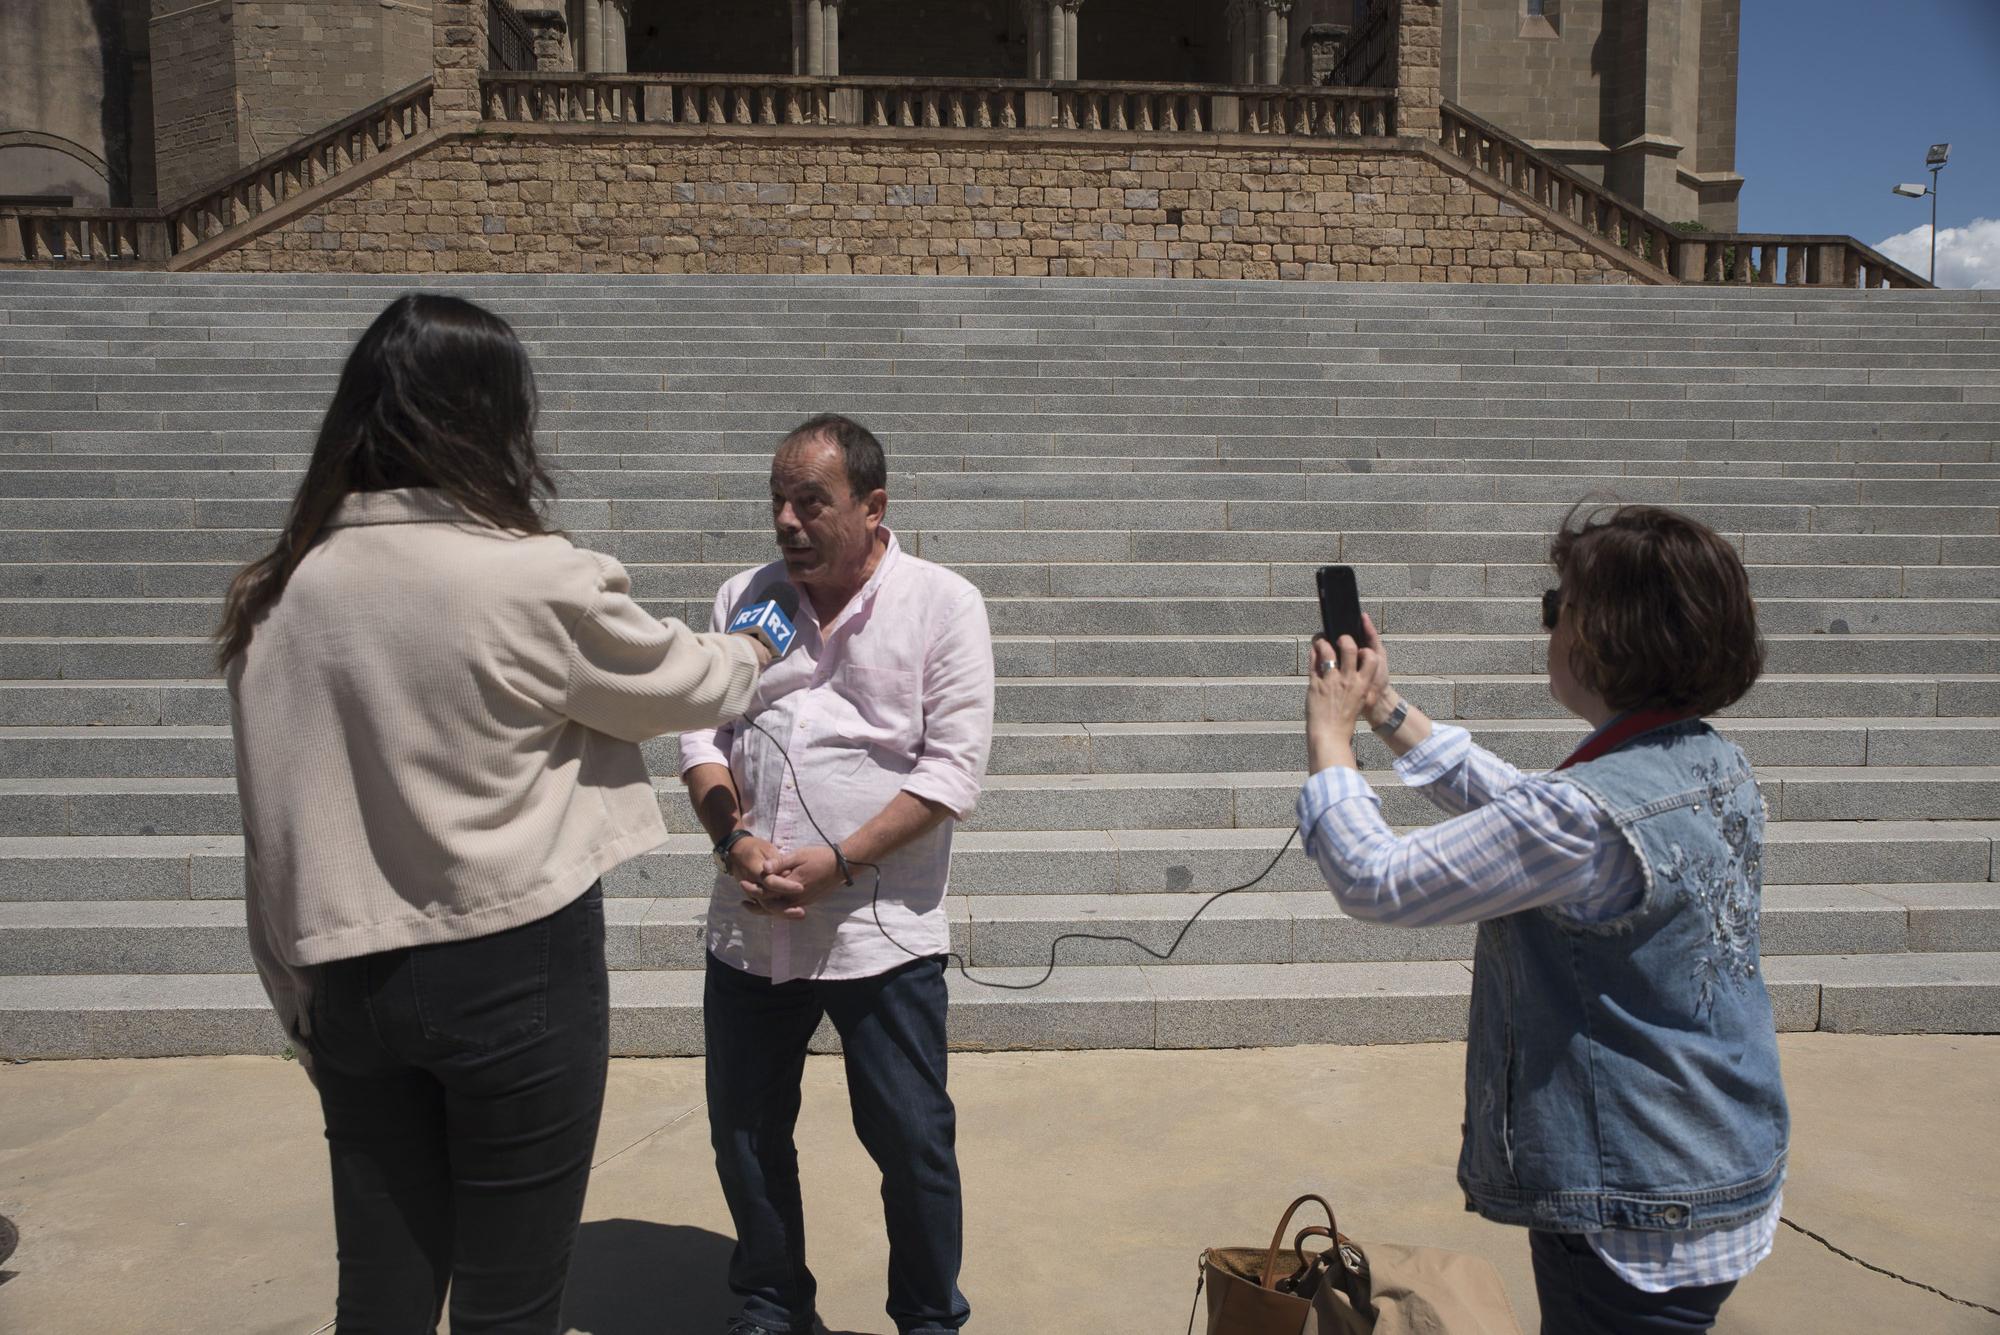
(771,619)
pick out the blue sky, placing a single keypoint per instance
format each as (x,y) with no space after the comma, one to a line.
(1837,102)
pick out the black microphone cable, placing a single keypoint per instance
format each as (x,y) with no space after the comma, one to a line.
(875,895)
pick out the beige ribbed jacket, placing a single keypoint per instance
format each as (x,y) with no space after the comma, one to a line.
(437,733)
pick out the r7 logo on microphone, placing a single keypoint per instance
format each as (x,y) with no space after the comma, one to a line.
(769,622)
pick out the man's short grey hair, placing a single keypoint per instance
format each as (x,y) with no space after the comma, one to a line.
(866,461)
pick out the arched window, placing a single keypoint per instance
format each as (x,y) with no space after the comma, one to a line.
(49,169)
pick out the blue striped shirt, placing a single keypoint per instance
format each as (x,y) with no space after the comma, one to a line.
(1514,842)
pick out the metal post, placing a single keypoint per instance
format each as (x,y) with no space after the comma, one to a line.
(1934,187)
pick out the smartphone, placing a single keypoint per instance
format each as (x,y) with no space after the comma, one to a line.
(1340,605)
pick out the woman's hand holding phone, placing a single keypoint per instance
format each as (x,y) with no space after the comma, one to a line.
(1345,679)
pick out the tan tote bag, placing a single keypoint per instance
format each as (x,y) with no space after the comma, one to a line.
(1387,1288)
(1382,1288)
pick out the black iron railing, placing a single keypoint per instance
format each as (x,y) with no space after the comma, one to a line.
(1368,60)
(510,45)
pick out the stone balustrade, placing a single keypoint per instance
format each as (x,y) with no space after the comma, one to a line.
(50,236)
(941,104)
(300,167)
(1495,153)
(1787,260)
(98,237)
(1700,257)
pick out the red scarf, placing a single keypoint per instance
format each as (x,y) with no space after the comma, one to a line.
(1623,731)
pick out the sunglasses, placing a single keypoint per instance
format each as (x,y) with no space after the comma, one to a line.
(1551,607)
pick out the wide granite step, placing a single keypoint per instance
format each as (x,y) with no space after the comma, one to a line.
(658,1012)
(1041,862)
(1206,800)
(992,931)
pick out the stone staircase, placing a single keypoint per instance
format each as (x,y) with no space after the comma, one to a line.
(1141,475)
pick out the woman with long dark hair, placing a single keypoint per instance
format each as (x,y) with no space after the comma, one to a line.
(437,704)
(1622,1092)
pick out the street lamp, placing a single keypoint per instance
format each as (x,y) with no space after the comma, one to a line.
(1935,160)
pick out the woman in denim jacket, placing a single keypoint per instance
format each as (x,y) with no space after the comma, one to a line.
(1623,1098)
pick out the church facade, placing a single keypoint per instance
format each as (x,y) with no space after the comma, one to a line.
(142,103)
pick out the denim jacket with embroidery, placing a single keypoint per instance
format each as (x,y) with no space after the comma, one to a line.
(1624,1074)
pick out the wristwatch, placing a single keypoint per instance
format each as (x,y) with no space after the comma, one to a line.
(1387,727)
(729,841)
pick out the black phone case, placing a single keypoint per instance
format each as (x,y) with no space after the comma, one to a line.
(1340,604)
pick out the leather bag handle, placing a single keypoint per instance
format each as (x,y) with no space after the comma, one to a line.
(1310,1261)
(1270,1277)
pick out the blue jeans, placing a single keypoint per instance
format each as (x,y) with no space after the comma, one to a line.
(1580,1295)
(462,1084)
(892,1030)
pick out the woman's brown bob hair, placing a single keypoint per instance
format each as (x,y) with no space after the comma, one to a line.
(1659,610)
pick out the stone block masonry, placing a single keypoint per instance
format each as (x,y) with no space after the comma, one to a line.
(561,201)
(238,79)
(194,108)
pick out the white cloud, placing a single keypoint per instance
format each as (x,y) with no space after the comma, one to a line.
(1966,256)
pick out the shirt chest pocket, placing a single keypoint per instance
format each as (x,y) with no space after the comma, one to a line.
(874,706)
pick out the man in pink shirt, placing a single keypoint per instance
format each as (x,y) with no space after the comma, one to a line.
(885,707)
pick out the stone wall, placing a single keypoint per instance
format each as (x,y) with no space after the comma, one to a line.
(194,94)
(568,202)
(1541,79)
(304,64)
(1639,95)
(72,76)
(1715,151)
(238,79)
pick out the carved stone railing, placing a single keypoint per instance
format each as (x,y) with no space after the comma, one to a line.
(107,237)
(310,162)
(943,104)
(1788,260)
(1495,153)
(1699,257)
(99,237)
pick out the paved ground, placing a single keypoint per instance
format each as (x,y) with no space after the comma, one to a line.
(190,1195)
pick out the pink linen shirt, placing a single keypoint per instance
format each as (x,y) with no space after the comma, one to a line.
(895,695)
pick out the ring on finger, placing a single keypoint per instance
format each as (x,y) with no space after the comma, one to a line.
(1325,666)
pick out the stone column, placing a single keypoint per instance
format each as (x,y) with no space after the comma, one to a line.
(1277,43)
(1323,43)
(590,42)
(829,14)
(815,38)
(1067,12)
(1038,39)
(1419,68)
(1246,40)
(551,29)
(458,49)
(615,58)
(798,36)
(1058,44)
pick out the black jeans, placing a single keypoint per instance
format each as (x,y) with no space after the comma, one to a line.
(462,1085)
(1580,1295)
(892,1032)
